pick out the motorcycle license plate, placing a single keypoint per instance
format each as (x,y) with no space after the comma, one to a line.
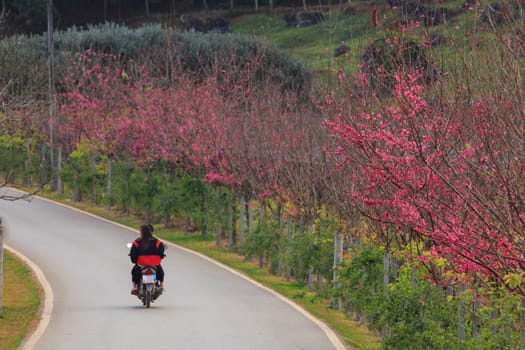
(148,279)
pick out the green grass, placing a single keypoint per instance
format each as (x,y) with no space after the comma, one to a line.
(315,45)
(312,45)
(21,301)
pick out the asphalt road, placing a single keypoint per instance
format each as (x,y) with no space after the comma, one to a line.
(204,307)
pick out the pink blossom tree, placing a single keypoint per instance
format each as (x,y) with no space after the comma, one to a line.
(454,179)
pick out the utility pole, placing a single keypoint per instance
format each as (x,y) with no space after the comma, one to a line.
(51,92)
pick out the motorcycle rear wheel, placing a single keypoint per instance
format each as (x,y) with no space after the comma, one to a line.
(148,298)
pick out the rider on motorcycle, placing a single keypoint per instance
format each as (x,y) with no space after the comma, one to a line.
(146,250)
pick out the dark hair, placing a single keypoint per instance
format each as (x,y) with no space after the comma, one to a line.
(145,230)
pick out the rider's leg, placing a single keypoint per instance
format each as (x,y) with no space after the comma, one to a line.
(160,275)
(135,278)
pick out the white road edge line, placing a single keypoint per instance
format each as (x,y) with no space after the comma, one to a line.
(327,330)
(332,336)
(45,312)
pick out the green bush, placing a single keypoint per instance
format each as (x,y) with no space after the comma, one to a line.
(418,318)
(263,241)
(24,58)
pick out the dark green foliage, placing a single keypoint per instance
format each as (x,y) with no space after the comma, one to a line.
(361,282)
(25,15)
(383,60)
(84,173)
(183,196)
(112,38)
(18,161)
(164,51)
(23,73)
(263,241)
(315,249)
(417,318)
(414,313)
(233,54)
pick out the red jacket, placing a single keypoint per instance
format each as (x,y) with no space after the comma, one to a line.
(152,255)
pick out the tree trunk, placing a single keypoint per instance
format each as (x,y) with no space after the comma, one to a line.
(338,250)
(476,319)
(461,316)
(261,223)
(28,178)
(250,218)
(43,167)
(146,2)
(217,217)
(299,276)
(386,272)
(386,282)
(393,268)
(110,183)
(281,233)
(10,179)
(242,207)
(205,216)
(493,316)
(186,217)
(230,223)
(60,184)
(77,193)
(289,250)
(311,268)
(311,278)
(92,200)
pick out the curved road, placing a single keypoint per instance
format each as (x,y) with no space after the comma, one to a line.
(204,307)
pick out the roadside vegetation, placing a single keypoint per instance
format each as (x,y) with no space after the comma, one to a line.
(377,188)
(21,301)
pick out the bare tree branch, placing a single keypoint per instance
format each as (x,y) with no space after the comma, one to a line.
(26,196)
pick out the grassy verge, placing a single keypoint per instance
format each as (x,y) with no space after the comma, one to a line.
(353,333)
(21,300)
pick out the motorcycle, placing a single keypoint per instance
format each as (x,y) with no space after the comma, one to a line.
(149,288)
